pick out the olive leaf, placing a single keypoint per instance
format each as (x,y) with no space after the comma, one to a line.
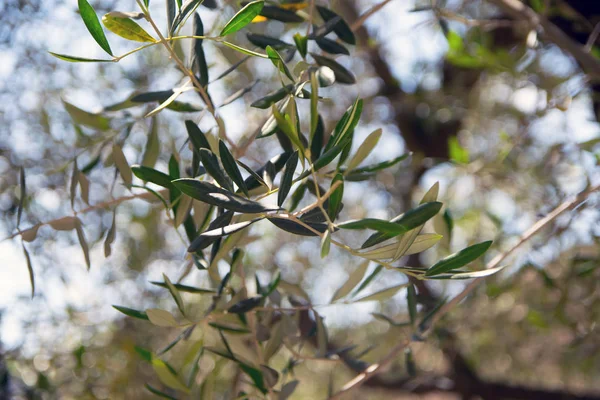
(125,27)
(242,18)
(459,259)
(211,194)
(90,19)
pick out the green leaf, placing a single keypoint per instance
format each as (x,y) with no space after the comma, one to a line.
(301,44)
(175,294)
(342,75)
(69,58)
(411,300)
(314,107)
(326,158)
(82,117)
(368,280)
(157,392)
(211,194)
(170,14)
(272,98)
(255,375)
(325,244)
(23,193)
(110,236)
(273,285)
(184,288)
(280,14)
(231,167)
(30,270)
(229,328)
(243,17)
(456,152)
(126,28)
(335,200)
(278,62)
(210,236)
(284,122)
(382,294)
(122,164)
(409,220)
(263,41)
(243,50)
(90,19)
(83,242)
(212,166)
(254,177)
(245,305)
(130,312)
(459,259)
(152,149)
(341,29)
(364,150)
(375,224)
(189,7)
(317,139)
(277,162)
(297,229)
(170,102)
(297,196)
(151,175)
(346,125)
(331,46)
(199,65)
(197,137)
(470,274)
(287,178)
(354,279)
(380,166)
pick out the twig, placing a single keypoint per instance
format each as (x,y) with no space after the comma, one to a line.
(519,10)
(371,371)
(496,261)
(536,228)
(592,39)
(99,206)
(363,18)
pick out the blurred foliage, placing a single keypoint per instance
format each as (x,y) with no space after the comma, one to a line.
(384,109)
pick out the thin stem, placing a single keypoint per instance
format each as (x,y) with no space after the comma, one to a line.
(371,371)
(99,206)
(119,58)
(363,18)
(496,261)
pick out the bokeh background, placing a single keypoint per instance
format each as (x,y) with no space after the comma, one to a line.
(502,119)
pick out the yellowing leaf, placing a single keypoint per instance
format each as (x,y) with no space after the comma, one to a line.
(126,28)
(259,18)
(294,6)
